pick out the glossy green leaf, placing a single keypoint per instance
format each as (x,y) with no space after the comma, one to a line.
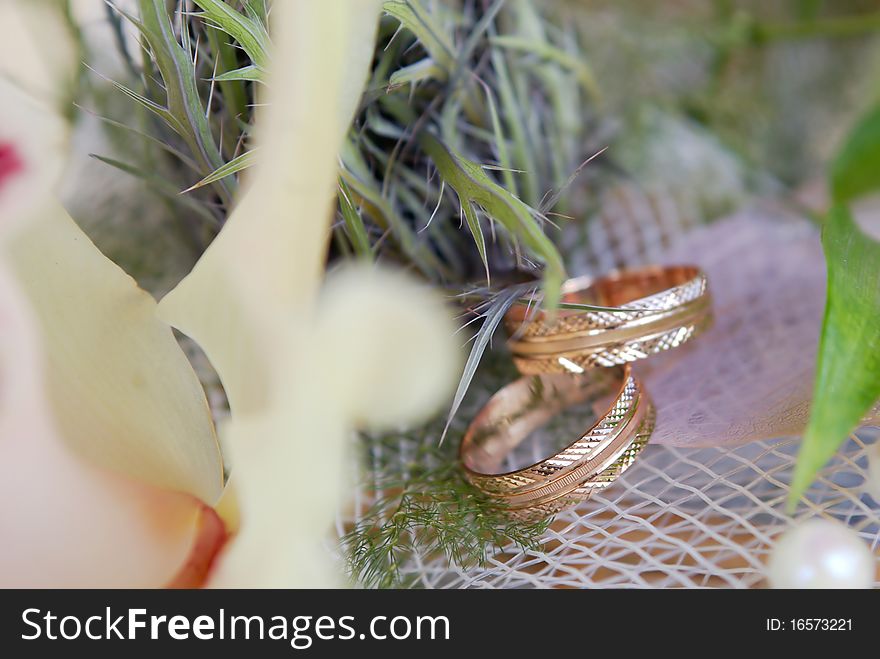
(856,170)
(848,364)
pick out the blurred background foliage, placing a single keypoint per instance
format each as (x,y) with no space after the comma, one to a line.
(706,101)
(700,105)
(490,137)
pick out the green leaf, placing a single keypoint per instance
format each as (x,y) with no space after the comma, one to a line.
(235,95)
(172,150)
(237,164)
(183,100)
(258,10)
(246,73)
(856,170)
(522,156)
(423,25)
(366,191)
(248,31)
(546,51)
(474,186)
(159,110)
(473,223)
(354,225)
(848,364)
(500,143)
(425,69)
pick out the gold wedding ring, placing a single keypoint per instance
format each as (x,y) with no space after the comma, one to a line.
(645,311)
(592,461)
(622,317)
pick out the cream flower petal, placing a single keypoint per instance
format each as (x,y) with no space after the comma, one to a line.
(88,376)
(44,49)
(123,393)
(64,522)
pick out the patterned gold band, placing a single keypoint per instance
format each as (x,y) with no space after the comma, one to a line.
(645,311)
(592,461)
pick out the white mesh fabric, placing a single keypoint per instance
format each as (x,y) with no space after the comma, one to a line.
(679,518)
(703,508)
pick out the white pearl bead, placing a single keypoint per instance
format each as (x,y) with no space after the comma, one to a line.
(820,554)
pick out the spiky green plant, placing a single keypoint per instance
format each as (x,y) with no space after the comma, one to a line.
(476,115)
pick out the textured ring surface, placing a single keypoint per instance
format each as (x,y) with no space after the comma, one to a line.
(646,311)
(592,461)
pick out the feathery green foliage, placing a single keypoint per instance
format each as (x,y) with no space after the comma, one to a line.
(430,511)
(422,504)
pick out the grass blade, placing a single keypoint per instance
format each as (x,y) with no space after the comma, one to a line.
(425,69)
(237,164)
(493,315)
(432,36)
(354,225)
(161,185)
(246,74)
(473,223)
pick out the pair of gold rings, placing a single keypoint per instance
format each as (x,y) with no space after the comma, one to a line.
(582,357)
